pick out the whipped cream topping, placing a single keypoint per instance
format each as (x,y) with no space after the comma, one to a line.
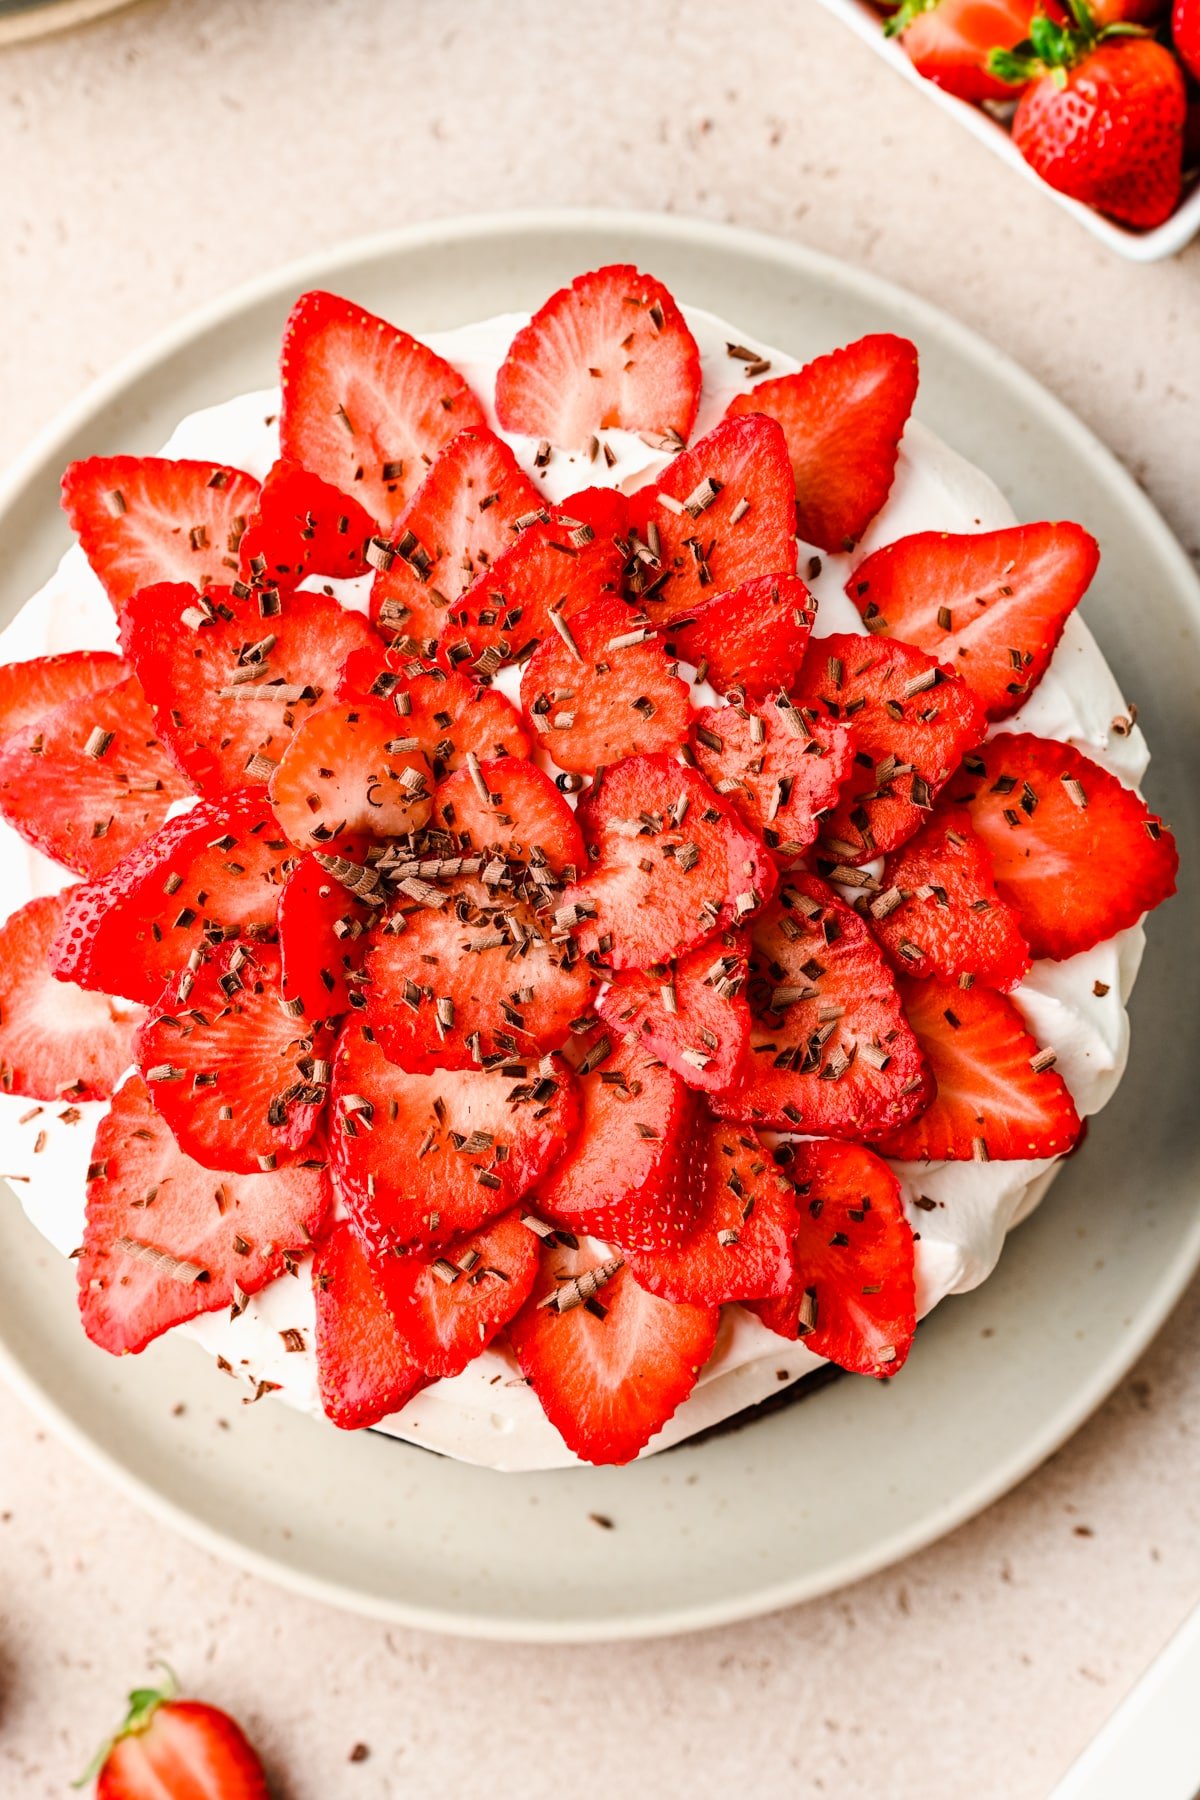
(961,1212)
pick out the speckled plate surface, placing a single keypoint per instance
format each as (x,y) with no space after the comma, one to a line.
(861,1473)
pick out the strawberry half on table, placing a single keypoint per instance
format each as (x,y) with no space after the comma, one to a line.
(168,1747)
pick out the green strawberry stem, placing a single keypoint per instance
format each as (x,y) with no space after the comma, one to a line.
(902,18)
(143,1704)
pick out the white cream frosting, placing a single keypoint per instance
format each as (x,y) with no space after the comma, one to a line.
(487,1414)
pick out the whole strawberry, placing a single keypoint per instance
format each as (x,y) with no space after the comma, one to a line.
(1102,117)
(169,1746)
(1185,31)
(949,41)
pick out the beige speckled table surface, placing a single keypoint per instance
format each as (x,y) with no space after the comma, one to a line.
(152,160)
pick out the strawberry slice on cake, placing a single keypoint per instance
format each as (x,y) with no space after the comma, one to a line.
(57,1040)
(449,1305)
(692,1011)
(364,1369)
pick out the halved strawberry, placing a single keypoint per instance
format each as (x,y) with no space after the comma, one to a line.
(622,1178)
(443,709)
(239,1080)
(843,416)
(720,514)
(422,1158)
(611,1369)
(89,781)
(780,772)
(672,865)
(350,768)
(600,687)
(999,1098)
(303,527)
(322,940)
(1077,855)
(146,519)
(938,912)
(991,604)
(450,1306)
(461,519)
(56,1040)
(610,350)
(30,690)
(514,810)
(739,1246)
(212,873)
(230,676)
(691,1012)
(831,1052)
(752,639)
(364,1371)
(851,1297)
(171,1746)
(365,406)
(167,1239)
(914,721)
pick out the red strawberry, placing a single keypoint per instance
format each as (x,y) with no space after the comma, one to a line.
(740,1245)
(523,819)
(752,639)
(610,1371)
(780,773)
(181,1748)
(364,1371)
(1077,855)
(449,1307)
(843,416)
(422,1158)
(30,690)
(238,1079)
(830,1051)
(55,1042)
(722,513)
(673,865)
(167,1239)
(322,940)
(145,519)
(851,1297)
(938,912)
(600,687)
(444,710)
(998,1097)
(460,520)
(692,1013)
(350,768)
(622,1177)
(230,678)
(365,406)
(213,872)
(611,350)
(991,604)
(914,721)
(303,527)
(90,780)
(1185,33)
(949,41)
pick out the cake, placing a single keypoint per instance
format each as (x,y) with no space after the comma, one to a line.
(350,1025)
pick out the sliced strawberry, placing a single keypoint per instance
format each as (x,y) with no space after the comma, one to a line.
(999,1099)
(230,678)
(303,527)
(444,710)
(611,350)
(181,1748)
(851,1297)
(349,769)
(1077,855)
(991,604)
(831,1052)
(422,1158)
(692,1013)
(364,1371)
(623,1176)
(673,865)
(145,519)
(90,780)
(30,690)
(56,1040)
(231,1069)
(740,1244)
(523,819)
(600,687)
(843,416)
(608,1371)
(720,514)
(167,1239)
(781,772)
(460,520)
(214,872)
(914,722)
(753,639)
(449,1307)
(322,940)
(365,406)
(938,912)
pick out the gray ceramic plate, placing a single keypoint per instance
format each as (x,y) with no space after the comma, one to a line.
(861,1473)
